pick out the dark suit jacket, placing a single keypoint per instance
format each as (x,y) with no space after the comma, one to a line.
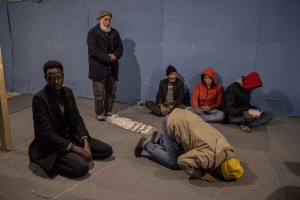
(178,92)
(53,129)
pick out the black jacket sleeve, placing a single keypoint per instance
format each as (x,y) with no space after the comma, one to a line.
(236,100)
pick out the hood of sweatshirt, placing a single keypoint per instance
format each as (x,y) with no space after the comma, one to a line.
(210,72)
(252,81)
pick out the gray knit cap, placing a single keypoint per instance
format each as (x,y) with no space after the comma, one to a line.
(103,13)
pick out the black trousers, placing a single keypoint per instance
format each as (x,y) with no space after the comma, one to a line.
(105,94)
(73,165)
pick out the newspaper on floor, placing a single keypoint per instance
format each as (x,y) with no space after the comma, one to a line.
(131,125)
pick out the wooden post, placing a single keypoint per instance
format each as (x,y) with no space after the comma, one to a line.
(5,132)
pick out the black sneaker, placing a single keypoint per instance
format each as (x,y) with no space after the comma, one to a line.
(139,147)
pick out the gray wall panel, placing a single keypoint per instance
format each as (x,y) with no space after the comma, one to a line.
(235,37)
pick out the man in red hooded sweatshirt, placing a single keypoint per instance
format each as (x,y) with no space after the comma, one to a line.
(207,98)
(236,103)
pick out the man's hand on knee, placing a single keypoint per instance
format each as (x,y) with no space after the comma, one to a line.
(82,152)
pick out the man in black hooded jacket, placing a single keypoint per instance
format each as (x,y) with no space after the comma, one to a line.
(236,103)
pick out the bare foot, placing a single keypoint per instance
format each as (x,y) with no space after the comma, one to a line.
(245,128)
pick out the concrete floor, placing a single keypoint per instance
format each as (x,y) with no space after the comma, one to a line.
(269,154)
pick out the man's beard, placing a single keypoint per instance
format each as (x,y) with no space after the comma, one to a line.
(172,80)
(105,29)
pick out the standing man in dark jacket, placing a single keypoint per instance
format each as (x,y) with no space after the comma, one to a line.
(170,94)
(236,103)
(62,144)
(105,48)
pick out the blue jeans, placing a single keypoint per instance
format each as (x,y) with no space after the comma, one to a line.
(262,119)
(166,150)
(212,116)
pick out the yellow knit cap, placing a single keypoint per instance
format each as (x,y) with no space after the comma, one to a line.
(232,169)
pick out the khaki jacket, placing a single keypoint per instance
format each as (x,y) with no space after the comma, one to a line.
(205,148)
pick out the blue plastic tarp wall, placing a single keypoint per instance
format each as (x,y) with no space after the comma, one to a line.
(235,37)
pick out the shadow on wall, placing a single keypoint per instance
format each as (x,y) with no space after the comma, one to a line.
(129,86)
(275,100)
(154,86)
(187,95)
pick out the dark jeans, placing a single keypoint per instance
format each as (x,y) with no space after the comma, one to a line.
(105,94)
(166,150)
(155,108)
(262,119)
(73,165)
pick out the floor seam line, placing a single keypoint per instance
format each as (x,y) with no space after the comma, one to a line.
(85,180)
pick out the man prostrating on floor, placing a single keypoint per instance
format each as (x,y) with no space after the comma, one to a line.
(189,143)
